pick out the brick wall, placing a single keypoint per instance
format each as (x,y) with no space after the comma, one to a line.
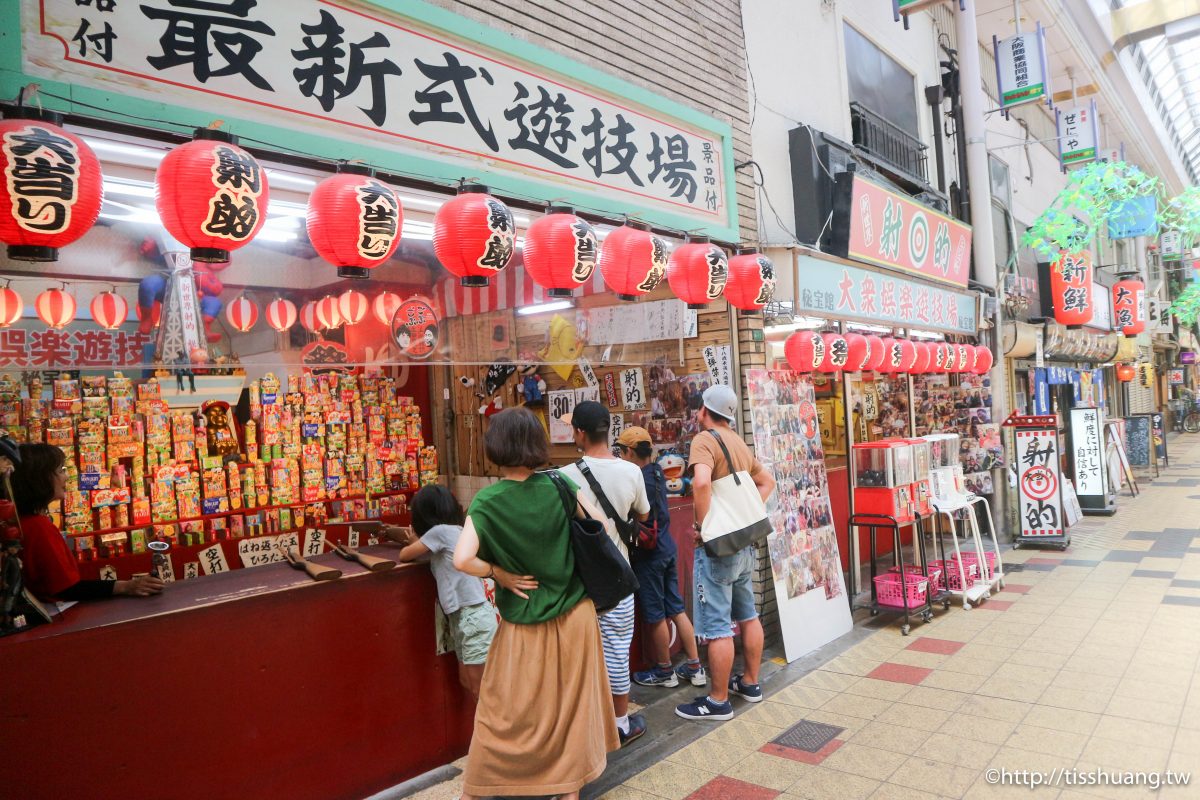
(691,51)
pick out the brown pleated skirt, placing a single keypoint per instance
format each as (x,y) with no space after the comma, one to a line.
(544,722)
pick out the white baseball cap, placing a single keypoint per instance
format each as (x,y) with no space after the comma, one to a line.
(720,399)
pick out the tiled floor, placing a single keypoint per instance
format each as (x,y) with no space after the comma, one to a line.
(1086,661)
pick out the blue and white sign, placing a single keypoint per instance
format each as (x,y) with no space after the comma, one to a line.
(1134,217)
(831,288)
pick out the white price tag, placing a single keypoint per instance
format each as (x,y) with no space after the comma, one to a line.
(191,570)
(212,560)
(314,542)
(559,404)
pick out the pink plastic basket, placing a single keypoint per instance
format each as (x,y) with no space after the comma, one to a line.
(950,571)
(972,558)
(934,573)
(890,591)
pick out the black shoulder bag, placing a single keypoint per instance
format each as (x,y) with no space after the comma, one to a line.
(606,575)
(627,527)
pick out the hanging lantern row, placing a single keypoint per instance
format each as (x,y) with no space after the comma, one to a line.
(281,314)
(11,306)
(1129,306)
(109,310)
(810,351)
(241,313)
(55,307)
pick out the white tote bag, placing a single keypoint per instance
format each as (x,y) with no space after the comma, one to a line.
(737,516)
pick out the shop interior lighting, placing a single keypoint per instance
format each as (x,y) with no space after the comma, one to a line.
(544,308)
(918,334)
(119,148)
(797,324)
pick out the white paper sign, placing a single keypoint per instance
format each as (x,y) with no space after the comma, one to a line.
(1087,452)
(616,425)
(718,359)
(587,393)
(352,538)
(191,570)
(589,374)
(558,404)
(212,560)
(108,573)
(314,542)
(643,322)
(166,571)
(258,551)
(633,394)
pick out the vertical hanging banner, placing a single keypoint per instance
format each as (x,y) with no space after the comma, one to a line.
(718,359)
(1021,68)
(1170,246)
(1078,134)
(1038,482)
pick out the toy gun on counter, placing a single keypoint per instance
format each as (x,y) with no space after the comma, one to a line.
(315,571)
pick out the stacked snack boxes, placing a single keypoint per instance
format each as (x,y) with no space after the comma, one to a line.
(329,442)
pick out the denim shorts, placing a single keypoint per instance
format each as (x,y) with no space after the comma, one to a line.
(658,589)
(723,592)
(473,628)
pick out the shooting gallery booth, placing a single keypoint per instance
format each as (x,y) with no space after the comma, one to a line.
(257,313)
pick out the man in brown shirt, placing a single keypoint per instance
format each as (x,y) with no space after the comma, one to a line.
(723,589)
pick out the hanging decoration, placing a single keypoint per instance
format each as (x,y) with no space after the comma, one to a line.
(55,307)
(837,353)
(149,302)
(877,352)
(964,358)
(11,306)
(1129,306)
(352,306)
(309,319)
(328,314)
(632,260)
(1126,372)
(697,272)
(891,357)
(560,251)
(51,188)
(241,313)
(354,220)
(281,314)
(908,356)
(858,349)
(474,235)
(211,195)
(983,361)
(751,283)
(924,361)
(1071,279)
(804,351)
(384,306)
(210,307)
(109,310)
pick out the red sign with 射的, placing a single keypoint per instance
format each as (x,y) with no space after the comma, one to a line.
(892,230)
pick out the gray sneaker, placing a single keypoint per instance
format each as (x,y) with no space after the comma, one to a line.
(696,675)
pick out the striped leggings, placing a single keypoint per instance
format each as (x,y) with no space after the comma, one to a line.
(616,635)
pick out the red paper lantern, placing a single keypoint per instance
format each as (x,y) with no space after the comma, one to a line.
(51,188)
(384,306)
(281,314)
(241,313)
(212,195)
(352,306)
(837,353)
(804,351)
(891,357)
(964,358)
(751,283)
(1129,304)
(632,260)
(924,358)
(1126,372)
(11,307)
(945,357)
(908,356)
(109,310)
(55,307)
(560,251)
(328,314)
(354,220)
(309,319)
(474,235)
(877,354)
(982,363)
(697,272)
(1071,288)
(858,346)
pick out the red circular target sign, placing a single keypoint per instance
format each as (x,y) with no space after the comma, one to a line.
(1039,483)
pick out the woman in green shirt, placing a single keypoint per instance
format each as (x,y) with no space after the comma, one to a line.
(544,722)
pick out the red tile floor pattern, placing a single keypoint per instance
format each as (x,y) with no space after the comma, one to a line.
(899,673)
(941,647)
(724,788)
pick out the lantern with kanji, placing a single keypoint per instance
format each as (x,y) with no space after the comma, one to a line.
(328,313)
(109,310)
(877,354)
(474,235)
(211,195)
(1071,288)
(1129,303)
(946,357)
(892,356)
(51,188)
(697,272)
(55,307)
(859,352)
(241,313)
(560,251)
(352,306)
(309,319)
(982,363)
(1126,372)
(632,260)
(384,306)
(837,353)
(964,358)
(11,306)
(751,283)
(354,220)
(804,351)
(281,314)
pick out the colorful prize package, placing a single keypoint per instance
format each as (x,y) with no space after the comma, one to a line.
(137,541)
(149,398)
(237,526)
(141,510)
(255,398)
(268,390)
(183,436)
(162,494)
(285,519)
(95,407)
(94,385)
(187,495)
(234,485)
(428,461)
(250,430)
(200,436)
(335,477)
(120,386)
(67,397)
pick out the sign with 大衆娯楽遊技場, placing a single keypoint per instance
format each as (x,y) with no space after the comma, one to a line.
(407,87)
(880,226)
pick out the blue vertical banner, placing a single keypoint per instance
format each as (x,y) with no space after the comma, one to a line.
(1041,393)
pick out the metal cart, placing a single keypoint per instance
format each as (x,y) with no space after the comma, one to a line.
(974,586)
(924,609)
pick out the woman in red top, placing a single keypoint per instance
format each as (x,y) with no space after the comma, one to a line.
(48,565)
